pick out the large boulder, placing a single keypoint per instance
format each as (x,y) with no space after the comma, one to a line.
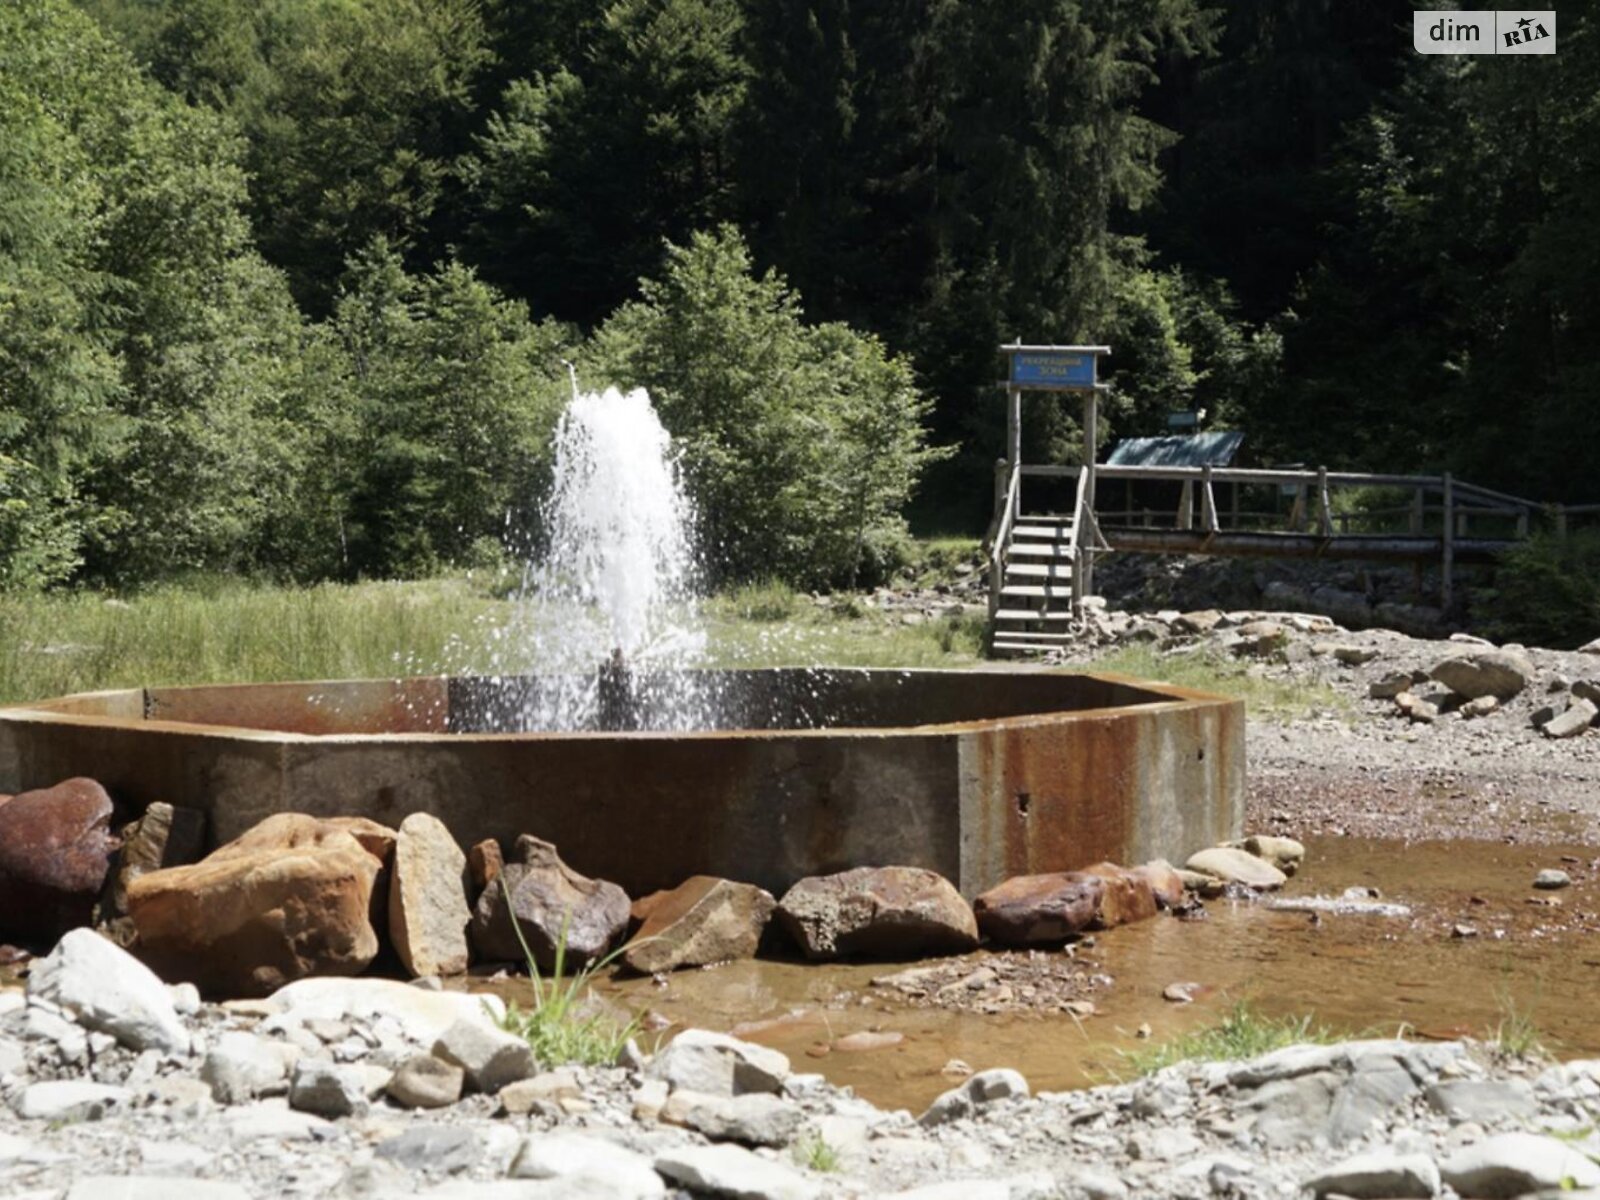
(878,912)
(1232,865)
(1031,910)
(428,911)
(702,920)
(1498,673)
(290,898)
(55,850)
(106,989)
(550,901)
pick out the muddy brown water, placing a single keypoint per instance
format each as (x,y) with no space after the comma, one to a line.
(1354,974)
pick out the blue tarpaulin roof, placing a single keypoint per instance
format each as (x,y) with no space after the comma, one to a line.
(1190,450)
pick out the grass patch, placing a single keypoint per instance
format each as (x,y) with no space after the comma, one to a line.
(1516,1034)
(814,1152)
(563,1025)
(1243,1032)
(772,600)
(1263,696)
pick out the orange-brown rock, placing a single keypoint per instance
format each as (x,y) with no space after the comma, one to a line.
(1035,909)
(55,850)
(1030,910)
(1164,881)
(289,898)
(485,862)
(702,920)
(877,912)
(1128,897)
(549,901)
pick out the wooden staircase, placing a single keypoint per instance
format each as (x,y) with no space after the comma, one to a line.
(1037,575)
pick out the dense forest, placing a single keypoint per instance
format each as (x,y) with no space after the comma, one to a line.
(286,286)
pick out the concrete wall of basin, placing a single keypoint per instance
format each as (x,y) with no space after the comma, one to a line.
(978,775)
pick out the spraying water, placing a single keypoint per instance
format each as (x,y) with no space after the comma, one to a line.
(608,616)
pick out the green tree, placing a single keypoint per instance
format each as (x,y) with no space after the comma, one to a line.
(455,394)
(801,442)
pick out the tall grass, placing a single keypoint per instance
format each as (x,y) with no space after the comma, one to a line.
(219,632)
(226,631)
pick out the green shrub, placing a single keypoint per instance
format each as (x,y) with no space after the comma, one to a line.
(1546,592)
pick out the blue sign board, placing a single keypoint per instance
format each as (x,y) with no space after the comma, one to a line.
(1057,369)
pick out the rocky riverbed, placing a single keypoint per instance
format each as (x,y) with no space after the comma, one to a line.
(120,1086)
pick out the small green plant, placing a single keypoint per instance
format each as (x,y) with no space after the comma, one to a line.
(1243,1032)
(560,1027)
(772,600)
(1275,699)
(1516,1034)
(814,1152)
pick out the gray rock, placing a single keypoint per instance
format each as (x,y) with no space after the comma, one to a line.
(611,1170)
(106,989)
(734,1172)
(327,1088)
(490,1057)
(1498,673)
(1418,710)
(756,1119)
(242,1066)
(153,1187)
(956,1189)
(1355,656)
(425,1081)
(1390,685)
(1579,716)
(1551,879)
(1513,1164)
(1291,1111)
(1381,1175)
(1162,1144)
(1587,689)
(1483,706)
(442,1149)
(69,1100)
(983,1089)
(698,1060)
(13,1058)
(1590,647)
(1485,1101)
(428,913)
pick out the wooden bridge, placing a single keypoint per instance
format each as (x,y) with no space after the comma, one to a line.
(1042,553)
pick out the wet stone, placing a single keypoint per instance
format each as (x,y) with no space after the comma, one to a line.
(703,920)
(878,911)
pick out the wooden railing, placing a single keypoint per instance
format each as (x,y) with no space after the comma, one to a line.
(1007,505)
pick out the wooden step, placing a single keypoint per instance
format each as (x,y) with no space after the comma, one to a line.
(1061,550)
(1025,635)
(1031,614)
(1043,570)
(1031,529)
(1058,592)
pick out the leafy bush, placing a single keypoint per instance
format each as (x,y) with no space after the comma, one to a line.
(1546,592)
(801,442)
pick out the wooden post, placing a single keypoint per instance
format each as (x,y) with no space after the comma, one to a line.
(1091,436)
(1208,502)
(1416,517)
(1448,546)
(1233,519)
(1002,487)
(1014,425)
(1186,505)
(1324,504)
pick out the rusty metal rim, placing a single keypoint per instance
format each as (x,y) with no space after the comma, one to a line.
(1173,698)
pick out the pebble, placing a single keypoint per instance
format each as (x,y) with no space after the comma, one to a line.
(1552,878)
(425,1081)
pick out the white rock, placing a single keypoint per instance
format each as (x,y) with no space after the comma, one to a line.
(1381,1175)
(755,1119)
(13,1058)
(421,1014)
(242,1066)
(491,1057)
(984,1088)
(185,998)
(734,1171)
(15,1149)
(612,1169)
(1236,866)
(1514,1164)
(106,989)
(273,1122)
(698,1060)
(45,1025)
(69,1100)
(956,1189)
(153,1187)
(180,1156)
